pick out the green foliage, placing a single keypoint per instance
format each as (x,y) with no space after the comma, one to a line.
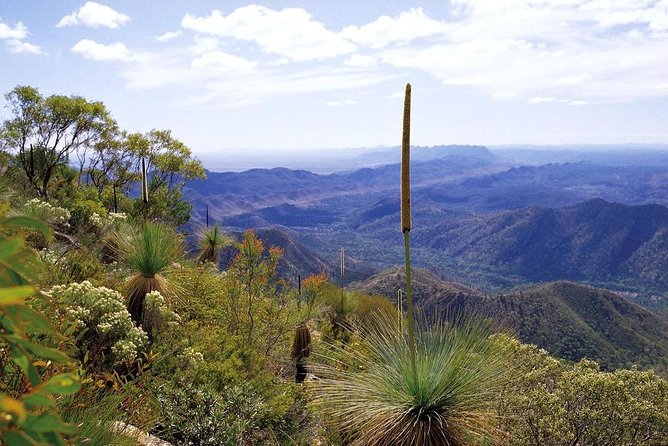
(97,418)
(104,334)
(26,399)
(341,305)
(148,252)
(381,401)
(235,415)
(253,310)
(44,132)
(169,163)
(150,249)
(369,307)
(552,403)
(62,265)
(40,210)
(211,242)
(83,203)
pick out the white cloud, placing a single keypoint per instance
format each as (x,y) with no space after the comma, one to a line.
(217,60)
(361,60)
(17,47)
(203,45)
(574,52)
(410,25)
(541,100)
(90,49)
(19,31)
(231,81)
(575,80)
(543,48)
(169,35)
(340,103)
(94,15)
(15,39)
(290,32)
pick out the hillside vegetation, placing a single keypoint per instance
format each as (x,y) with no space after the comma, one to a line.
(478,220)
(569,320)
(115,323)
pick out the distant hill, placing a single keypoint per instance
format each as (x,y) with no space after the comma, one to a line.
(595,241)
(569,320)
(477,218)
(234,193)
(297,259)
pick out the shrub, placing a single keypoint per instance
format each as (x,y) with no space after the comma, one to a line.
(63,265)
(551,402)
(48,213)
(105,334)
(27,414)
(234,415)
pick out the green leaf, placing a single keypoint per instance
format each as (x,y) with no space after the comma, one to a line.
(37,399)
(63,384)
(15,295)
(22,221)
(45,423)
(54,439)
(21,359)
(10,247)
(32,321)
(39,350)
(16,438)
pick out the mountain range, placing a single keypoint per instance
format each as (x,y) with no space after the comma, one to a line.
(481,217)
(569,320)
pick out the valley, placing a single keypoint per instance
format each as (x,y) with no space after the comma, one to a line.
(493,219)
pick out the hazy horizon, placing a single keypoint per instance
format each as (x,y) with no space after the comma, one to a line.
(324,161)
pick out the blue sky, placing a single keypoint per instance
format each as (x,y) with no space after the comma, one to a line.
(313,75)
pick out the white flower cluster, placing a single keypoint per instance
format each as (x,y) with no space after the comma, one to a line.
(117,216)
(47,212)
(49,256)
(102,311)
(191,357)
(97,220)
(155,304)
(111,221)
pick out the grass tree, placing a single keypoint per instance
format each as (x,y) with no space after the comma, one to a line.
(211,242)
(301,349)
(301,345)
(444,398)
(428,384)
(148,251)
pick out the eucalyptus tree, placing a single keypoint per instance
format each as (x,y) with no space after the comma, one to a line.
(44,132)
(169,163)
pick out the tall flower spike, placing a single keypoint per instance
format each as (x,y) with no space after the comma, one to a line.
(405,164)
(144,182)
(406,222)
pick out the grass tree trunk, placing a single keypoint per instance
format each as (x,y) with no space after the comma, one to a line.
(301,349)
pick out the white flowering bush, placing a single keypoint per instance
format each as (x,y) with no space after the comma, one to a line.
(190,358)
(104,329)
(157,314)
(46,212)
(111,221)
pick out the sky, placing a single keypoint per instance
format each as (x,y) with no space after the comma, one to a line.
(227,76)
